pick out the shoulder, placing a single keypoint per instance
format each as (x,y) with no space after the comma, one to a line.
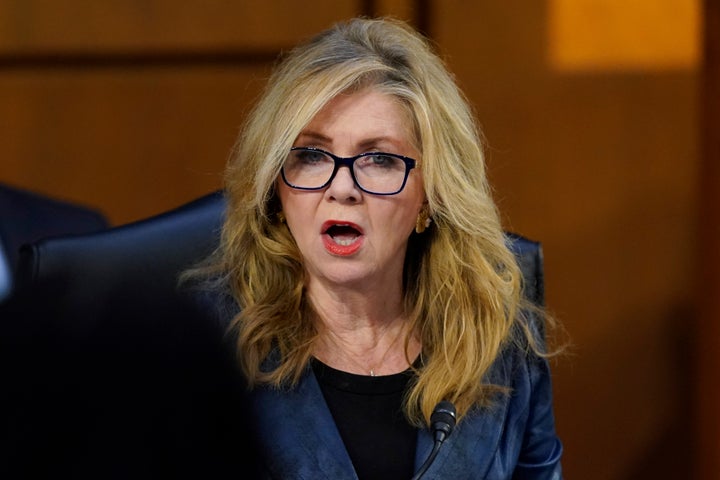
(525,412)
(514,437)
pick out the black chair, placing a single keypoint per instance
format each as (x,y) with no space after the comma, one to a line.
(27,217)
(110,370)
(117,372)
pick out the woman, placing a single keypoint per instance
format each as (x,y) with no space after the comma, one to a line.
(372,275)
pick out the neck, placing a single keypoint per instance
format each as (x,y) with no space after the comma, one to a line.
(367,350)
(362,331)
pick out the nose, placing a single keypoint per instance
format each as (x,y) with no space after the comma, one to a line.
(342,187)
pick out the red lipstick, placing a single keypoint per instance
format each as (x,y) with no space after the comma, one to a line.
(341,238)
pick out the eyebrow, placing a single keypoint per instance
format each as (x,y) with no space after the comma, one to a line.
(363,144)
(314,136)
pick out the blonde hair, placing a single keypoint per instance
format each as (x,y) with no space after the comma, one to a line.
(462,283)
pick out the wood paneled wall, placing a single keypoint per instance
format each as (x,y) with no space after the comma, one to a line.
(133,107)
(707,335)
(602,166)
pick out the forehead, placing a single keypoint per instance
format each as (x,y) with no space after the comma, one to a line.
(364,113)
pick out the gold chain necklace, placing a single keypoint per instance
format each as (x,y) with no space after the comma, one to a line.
(359,365)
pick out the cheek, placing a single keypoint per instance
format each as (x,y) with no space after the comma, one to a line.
(290,203)
(400,222)
(299,211)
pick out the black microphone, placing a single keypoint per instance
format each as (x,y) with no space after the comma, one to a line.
(442,422)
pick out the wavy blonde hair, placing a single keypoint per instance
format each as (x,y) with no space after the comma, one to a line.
(462,285)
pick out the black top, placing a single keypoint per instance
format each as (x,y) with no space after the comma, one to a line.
(368,413)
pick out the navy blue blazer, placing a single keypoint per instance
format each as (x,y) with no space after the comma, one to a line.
(513,439)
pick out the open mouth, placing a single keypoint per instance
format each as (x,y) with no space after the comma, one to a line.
(343,234)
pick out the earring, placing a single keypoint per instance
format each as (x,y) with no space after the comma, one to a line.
(281,217)
(423,220)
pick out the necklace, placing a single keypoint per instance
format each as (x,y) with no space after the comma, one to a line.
(343,354)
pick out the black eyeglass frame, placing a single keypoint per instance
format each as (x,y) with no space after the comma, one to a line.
(349,162)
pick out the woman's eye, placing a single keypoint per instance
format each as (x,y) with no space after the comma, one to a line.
(308,156)
(383,160)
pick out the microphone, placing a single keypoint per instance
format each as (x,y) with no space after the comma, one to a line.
(442,422)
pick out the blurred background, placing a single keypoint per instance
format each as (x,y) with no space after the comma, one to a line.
(602,123)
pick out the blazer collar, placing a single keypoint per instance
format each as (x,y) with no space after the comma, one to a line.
(470,449)
(297,434)
(299,438)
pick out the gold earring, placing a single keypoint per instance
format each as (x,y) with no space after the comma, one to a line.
(281,217)
(423,220)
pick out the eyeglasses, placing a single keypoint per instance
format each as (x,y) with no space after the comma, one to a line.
(378,173)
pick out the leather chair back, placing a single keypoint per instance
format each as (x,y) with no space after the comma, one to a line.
(114,372)
(27,216)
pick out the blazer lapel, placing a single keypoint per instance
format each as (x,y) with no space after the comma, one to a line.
(469,450)
(299,439)
(297,433)
(473,447)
